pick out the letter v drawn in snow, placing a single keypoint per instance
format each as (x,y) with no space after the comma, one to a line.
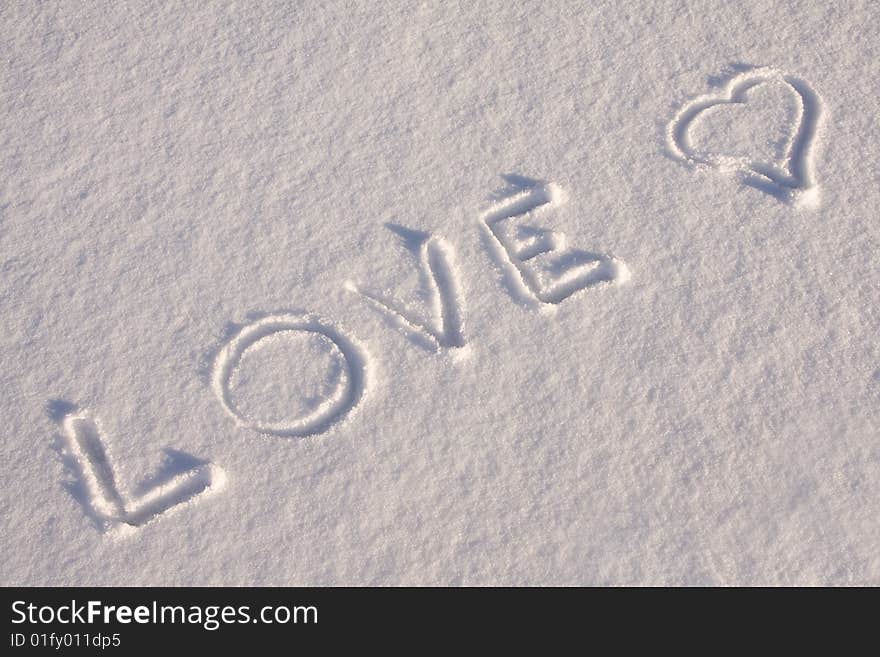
(444,326)
(537,263)
(184,478)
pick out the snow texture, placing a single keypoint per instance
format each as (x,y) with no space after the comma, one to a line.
(440,293)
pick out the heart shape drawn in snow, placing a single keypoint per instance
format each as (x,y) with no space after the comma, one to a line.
(788,178)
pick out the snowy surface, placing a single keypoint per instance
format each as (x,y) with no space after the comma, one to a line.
(489,293)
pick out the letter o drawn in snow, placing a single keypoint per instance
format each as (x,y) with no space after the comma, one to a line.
(337,404)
